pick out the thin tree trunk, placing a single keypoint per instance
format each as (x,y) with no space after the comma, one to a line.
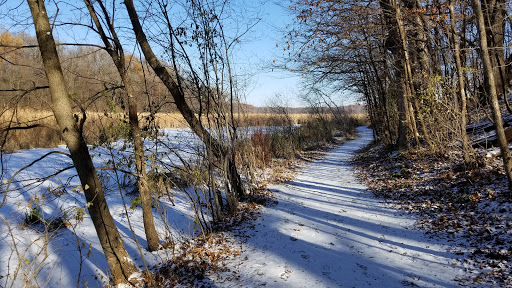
(461,85)
(383,92)
(409,88)
(420,62)
(117,55)
(412,121)
(179,98)
(385,102)
(496,112)
(494,16)
(140,163)
(118,259)
(421,122)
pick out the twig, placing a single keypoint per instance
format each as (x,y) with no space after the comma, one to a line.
(28,166)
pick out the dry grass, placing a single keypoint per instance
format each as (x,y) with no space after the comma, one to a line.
(47,134)
(29,138)
(175,120)
(100,126)
(269,119)
(166,120)
(361,118)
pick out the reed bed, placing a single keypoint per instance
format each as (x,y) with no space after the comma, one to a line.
(175,120)
(101,127)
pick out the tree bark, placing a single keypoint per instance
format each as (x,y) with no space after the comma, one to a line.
(118,259)
(117,54)
(496,111)
(395,45)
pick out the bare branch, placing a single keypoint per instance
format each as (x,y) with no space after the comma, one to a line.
(28,166)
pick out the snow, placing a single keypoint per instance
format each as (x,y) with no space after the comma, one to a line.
(326,230)
(74,254)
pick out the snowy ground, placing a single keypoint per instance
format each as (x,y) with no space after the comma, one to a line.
(328,231)
(73,257)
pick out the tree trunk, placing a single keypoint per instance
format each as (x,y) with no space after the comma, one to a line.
(496,112)
(394,44)
(419,63)
(140,163)
(117,54)
(118,259)
(494,16)
(179,98)
(461,87)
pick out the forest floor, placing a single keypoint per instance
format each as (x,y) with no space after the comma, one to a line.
(325,229)
(468,207)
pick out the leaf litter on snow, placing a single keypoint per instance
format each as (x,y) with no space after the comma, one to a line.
(471,207)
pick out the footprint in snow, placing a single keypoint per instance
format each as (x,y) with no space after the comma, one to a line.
(285,275)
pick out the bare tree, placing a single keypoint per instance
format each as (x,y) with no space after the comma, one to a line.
(118,259)
(395,43)
(461,85)
(493,95)
(223,155)
(116,52)
(494,18)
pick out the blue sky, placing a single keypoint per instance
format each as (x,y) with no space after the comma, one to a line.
(258,53)
(269,81)
(252,59)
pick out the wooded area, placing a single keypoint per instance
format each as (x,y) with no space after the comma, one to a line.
(100,94)
(425,68)
(429,72)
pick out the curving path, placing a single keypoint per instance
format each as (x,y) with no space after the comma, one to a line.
(328,231)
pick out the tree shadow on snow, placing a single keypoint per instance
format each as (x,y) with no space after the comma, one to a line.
(327,229)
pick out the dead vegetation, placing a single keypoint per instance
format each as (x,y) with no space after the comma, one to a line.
(470,207)
(194,261)
(107,126)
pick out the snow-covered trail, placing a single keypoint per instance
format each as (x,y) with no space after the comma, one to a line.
(328,231)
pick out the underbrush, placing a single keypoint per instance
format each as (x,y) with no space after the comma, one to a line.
(287,142)
(36,218)
(471,205)
(104,127)
(193,261)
